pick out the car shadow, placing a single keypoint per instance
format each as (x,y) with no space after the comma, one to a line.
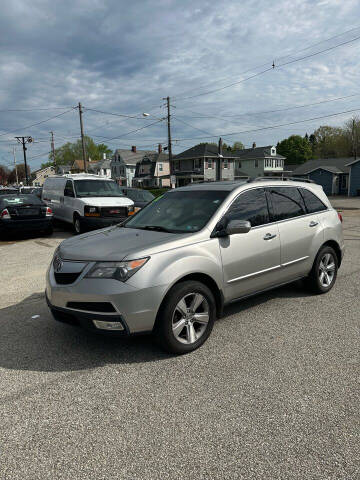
(32,340)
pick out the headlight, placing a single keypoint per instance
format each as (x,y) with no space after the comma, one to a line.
(121,271)
(90,211)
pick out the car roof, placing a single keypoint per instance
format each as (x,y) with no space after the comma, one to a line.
(233,185)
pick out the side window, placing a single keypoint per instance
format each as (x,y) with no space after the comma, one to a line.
(312,202)
(251,206)
(69,189)
(287,202)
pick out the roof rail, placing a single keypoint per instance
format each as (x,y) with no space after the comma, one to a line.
(282,179)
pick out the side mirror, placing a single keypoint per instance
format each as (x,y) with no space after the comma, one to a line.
(238,226)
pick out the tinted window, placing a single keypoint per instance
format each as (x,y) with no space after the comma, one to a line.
(312,203)
(14,200)
(251,206)
(179,211)
(287,202)
(69,189)
(97,188)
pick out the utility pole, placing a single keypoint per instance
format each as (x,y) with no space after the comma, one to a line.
(219,161)
(24,141)
(53,149)
(354,139)
(17,179)
(82,137)
(169,133)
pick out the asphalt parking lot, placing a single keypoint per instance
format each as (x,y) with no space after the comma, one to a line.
(273,394)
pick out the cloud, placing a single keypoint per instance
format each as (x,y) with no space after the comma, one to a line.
(121,56)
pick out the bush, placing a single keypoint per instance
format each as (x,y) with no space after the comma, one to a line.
(158,191)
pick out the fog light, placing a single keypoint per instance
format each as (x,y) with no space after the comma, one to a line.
(104,325)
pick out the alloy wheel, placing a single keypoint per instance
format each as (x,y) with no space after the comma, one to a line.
(190,318)
(326,270)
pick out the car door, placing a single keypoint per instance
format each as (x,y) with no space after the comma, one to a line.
(251,260)
(68,201)
(301,233)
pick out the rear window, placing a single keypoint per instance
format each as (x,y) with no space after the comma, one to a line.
(17,200)
(312,202)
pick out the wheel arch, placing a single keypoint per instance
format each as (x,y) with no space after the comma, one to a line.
(206,280)
(336,247)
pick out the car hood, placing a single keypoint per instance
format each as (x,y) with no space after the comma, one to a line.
(116,243)
(107,201)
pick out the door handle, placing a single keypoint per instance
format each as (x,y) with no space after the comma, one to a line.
(313,224)
(269,236)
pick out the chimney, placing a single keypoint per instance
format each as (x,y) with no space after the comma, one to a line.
(133,148)
(159,148)
(254,145)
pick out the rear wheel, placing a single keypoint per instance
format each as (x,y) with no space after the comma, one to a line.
(77,224)
(186,318)
(324,272)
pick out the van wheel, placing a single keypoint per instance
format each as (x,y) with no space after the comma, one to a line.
(324,272)
(77,225)
(186,317)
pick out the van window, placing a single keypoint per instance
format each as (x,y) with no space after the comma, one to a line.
(69,189)
(312,202)
(251,206)
(97,188)
(287,203)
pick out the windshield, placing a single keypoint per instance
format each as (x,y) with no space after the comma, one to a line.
(179,211)
(97,188)
(140,195)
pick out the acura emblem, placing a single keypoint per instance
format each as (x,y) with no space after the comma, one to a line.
(57,263)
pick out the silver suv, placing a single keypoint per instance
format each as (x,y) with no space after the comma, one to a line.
(172,267)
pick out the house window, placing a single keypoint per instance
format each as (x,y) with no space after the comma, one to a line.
(160,167)
(177,164)
(256,163)
(239,164)
(225,163)
(273,151)
(210,163)
(197,163)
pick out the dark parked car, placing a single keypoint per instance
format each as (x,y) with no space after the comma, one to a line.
(23,213)
(140,197)
(8,190)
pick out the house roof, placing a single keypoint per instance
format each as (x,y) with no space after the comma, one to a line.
(257,152)
(130,157)
(211,150)
(333,165)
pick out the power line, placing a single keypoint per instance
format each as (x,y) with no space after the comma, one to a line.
(274,126)
(132,131)
(291,107)
(37,123)
(276,58)
(268,69)
(192,126)
(32,109)
(114,114)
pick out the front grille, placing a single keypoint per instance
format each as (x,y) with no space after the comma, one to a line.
(66,278)
(103,307)
(117,212)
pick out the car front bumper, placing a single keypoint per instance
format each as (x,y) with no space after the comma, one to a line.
(135,308)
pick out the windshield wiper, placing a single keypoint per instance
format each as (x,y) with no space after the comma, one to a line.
(156,228)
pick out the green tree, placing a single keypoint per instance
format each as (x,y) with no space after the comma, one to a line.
(4,175)
(69,152)
(296,149)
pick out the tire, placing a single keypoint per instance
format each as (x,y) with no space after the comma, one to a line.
(186,317)
(323,275)
(77,225)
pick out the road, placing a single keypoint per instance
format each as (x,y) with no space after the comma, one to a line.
(273,394)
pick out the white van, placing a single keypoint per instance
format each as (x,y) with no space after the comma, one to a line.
(87,201)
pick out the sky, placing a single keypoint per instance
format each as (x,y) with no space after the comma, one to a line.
(214,60)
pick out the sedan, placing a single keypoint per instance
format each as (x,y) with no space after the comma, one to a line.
(140,197)
(22,213)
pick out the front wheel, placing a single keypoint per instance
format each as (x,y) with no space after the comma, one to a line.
(186,317)
(324,272)
(77,225)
